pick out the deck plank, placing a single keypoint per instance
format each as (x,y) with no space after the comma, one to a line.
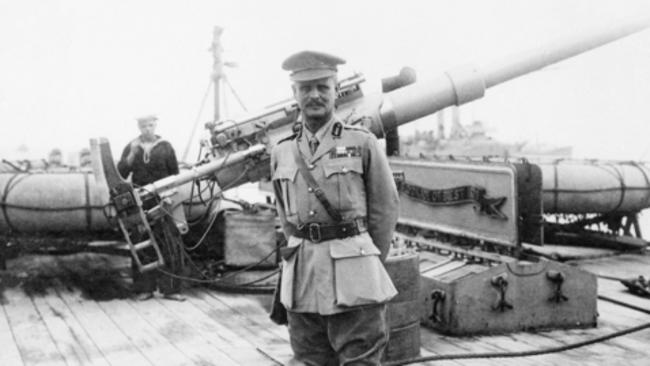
(213,328)
(10,354)
(507,343)
(619,316)
(255,308)
(426,353)
(183,330)
(190,312)
(436,343)
(239,349)
(246,327)
(31,335)
(255,336)
(68,334)
(602,352)
(621,266)
(113,343)
(615,318)
(544,340)
(450,345)
(142,335)
(617,291)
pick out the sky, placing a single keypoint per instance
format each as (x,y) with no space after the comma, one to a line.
(71,70)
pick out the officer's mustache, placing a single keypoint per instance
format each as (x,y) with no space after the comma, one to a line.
(315,103)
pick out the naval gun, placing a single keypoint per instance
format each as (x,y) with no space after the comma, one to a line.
(239,149)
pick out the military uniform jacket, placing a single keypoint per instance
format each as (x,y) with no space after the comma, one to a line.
(349,166)
(162,163)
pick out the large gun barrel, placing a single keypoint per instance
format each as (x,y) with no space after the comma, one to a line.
(200,171)
(467,83)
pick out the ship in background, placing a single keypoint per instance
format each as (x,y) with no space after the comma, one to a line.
(473,140)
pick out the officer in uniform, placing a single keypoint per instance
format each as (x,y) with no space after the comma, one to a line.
(334,284)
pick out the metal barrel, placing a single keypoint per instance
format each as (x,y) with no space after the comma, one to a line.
(52,202)
(587,186)
(403,311)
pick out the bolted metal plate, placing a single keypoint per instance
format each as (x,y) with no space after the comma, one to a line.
(465,199)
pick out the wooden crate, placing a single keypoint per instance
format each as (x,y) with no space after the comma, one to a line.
(250,238)
(466,299)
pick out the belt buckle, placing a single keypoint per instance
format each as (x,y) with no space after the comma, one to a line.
(314,232)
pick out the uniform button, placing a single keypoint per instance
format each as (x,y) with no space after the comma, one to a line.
(312,213)
(310,189)
(344,229)
(311,166)
(362,251)
(344,169)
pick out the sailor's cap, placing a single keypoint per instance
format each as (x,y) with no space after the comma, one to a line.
(146,118)
(311,65)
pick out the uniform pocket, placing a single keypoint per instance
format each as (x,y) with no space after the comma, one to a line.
(359,276)
(345,182)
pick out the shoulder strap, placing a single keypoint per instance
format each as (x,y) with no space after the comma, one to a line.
(311,182)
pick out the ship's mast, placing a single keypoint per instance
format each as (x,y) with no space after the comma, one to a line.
(217,70)
(215,81)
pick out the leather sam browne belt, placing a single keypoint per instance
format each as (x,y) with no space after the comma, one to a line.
(317,232)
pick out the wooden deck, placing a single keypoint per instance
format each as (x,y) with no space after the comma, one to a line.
(63,322)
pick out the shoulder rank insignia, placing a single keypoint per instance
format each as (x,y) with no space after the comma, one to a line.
(358,127)
(337,129)
(345,152)
(288,138)
(297,129)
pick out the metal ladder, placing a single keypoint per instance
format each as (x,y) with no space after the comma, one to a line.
(127,203)
(137,248)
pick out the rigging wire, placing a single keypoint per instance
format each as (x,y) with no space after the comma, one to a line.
(196,121)
(221,283)
(234,92)
(204,235)
(195,182)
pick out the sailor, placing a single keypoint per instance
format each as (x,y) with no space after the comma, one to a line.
(55,161)
(55,158)
(338,223)
(149,158)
